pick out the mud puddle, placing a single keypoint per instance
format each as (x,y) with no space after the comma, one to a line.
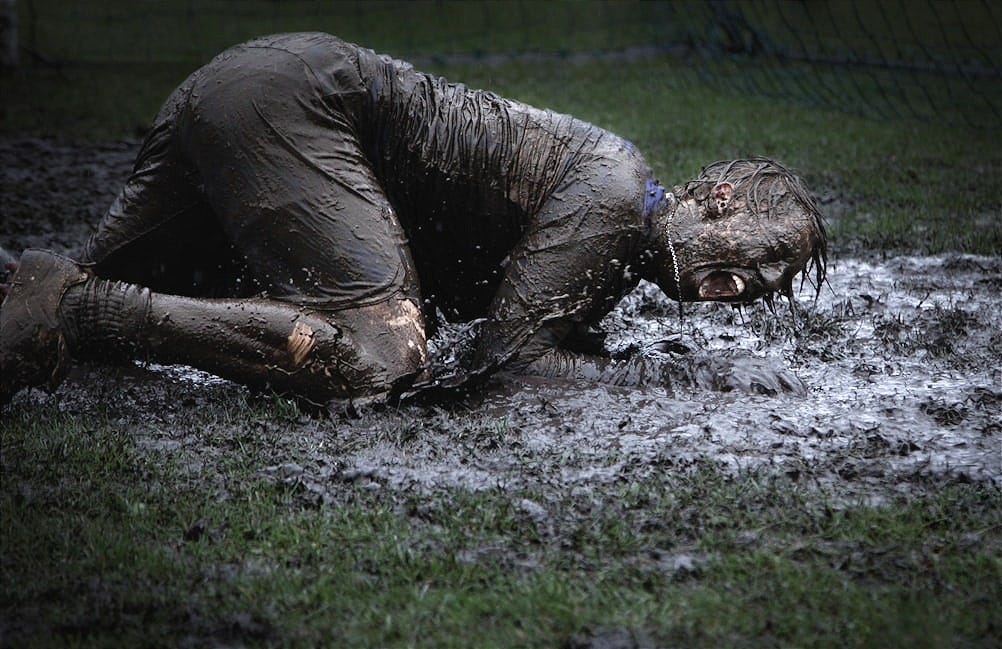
(901,357)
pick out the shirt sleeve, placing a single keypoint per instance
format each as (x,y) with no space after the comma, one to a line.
(571,266)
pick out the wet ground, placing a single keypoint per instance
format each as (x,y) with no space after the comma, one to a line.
(902,357)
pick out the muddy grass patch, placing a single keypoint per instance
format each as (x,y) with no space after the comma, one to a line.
(108,540)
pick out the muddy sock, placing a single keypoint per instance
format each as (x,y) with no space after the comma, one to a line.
(105,320)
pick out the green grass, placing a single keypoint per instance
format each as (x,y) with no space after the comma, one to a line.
(107,545)
(89,102)
(118,30)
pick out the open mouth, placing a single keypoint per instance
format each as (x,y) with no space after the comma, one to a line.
(721,285)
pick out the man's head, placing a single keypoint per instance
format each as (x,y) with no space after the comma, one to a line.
(739,231)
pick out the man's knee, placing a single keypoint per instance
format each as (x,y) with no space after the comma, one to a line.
(404,339)
(363,351)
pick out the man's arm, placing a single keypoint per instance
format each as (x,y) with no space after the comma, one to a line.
(552,286)
(701,371)
(558,277)
(632,371)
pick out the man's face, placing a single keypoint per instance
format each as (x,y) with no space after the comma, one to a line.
(727,253)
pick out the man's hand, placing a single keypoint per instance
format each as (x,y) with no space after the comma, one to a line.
(734,373)
(720,373)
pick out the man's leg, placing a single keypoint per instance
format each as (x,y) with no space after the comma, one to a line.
(56,311)
(294,194)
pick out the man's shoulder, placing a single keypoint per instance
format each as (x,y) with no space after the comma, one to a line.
(625,170)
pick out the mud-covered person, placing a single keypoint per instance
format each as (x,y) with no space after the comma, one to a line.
(302,207)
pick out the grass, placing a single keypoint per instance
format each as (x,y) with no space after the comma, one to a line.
(104,544)
(115,31)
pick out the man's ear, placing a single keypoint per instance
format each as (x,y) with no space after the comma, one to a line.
(720,197)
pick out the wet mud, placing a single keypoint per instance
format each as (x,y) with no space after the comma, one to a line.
(901,356)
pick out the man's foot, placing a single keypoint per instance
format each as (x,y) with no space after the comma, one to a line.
(33,348)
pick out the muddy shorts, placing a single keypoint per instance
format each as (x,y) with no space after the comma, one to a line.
(251,179)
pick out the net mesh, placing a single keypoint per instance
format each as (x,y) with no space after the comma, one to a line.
(895,59)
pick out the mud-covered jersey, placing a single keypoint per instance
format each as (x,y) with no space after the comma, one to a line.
(519,214)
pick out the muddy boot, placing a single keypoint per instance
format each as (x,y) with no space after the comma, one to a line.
(55,311)
(33,348)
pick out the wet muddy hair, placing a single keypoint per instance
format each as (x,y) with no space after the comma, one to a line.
(769,188)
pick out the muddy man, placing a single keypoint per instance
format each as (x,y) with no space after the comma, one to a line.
(303,207)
